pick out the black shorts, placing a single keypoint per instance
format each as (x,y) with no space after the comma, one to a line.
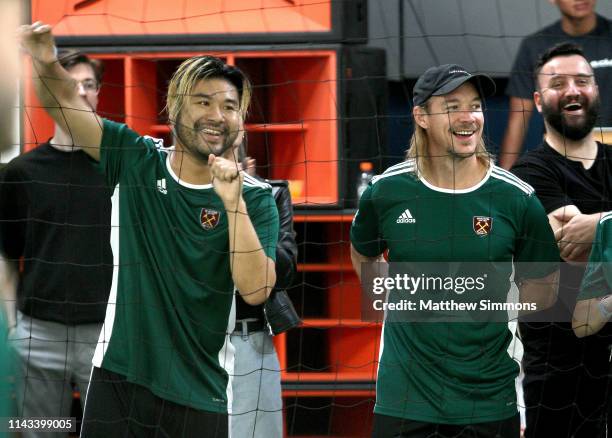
(560,406)
(395,427)
(567,382)
(117,408)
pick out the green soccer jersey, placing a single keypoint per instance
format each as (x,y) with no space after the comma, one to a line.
(597,280)
(442,372)
(171,307)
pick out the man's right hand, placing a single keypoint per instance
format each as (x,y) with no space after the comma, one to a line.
(37,40)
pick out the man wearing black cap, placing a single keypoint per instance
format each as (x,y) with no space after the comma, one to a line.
(449,203)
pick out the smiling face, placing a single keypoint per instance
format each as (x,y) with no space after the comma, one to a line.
(567,96)
(576,9)
(210,119)
(453,122)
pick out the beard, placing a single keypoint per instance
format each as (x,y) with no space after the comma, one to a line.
(563,124)
(459,155)
(455,154)
(196,146)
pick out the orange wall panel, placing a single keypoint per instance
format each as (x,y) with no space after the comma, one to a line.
(156,17)
(346,358)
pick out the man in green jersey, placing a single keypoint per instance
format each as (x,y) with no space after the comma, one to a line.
(191,228)
(594,303)
(449,203)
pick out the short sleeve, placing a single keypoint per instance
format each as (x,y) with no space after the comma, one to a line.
(264,217)
(536,252)
(365,229)
(548,187)
(121,149)
(13,211)
(520,83)
(598,275)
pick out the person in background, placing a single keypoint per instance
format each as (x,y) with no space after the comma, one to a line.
(566,379)
(578,24)
(55,212)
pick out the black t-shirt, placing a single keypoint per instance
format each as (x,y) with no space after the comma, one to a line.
(55,210)
(559,181)
(597,46)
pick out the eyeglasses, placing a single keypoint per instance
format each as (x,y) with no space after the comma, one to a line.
(89,85)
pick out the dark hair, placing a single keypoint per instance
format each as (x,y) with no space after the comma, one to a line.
(204,67)
(561,49)
(230,73)
(69,58)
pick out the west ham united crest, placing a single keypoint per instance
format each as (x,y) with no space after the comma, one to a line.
(482,225)
(209,218)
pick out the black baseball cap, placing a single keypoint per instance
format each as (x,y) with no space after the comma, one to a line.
(441,80)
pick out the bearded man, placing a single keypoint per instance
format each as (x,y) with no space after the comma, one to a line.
(566,378)
(193,228)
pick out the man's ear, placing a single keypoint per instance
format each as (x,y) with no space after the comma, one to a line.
(420,117)
(537,100)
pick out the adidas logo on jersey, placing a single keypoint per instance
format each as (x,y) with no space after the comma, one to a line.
(405,218)
(161,186)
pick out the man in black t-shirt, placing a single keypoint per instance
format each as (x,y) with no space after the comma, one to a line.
(566,378)
(55,210)
(578,24)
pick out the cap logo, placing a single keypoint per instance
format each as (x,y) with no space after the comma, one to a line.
(458,71)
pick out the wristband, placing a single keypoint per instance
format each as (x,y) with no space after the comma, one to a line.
(602,309)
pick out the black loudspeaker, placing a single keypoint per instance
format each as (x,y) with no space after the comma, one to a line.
(346,21)
(363,124)
(349,21)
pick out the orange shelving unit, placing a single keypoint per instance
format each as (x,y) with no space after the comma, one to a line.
(329,363)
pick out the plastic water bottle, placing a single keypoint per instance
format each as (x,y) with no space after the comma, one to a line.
(365,176)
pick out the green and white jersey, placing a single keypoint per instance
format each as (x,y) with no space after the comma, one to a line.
(171,306)
(597,280)
(443,372)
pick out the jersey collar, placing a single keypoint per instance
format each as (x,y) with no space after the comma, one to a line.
(458,191)
(180,181)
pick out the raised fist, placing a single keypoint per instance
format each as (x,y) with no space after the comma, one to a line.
(37,40)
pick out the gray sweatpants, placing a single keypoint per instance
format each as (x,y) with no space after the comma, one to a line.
(257,408)
(52,357)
